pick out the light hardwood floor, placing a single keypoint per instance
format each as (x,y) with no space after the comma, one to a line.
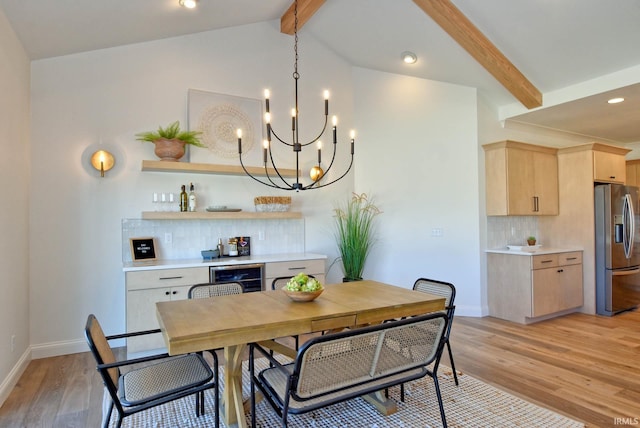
(584,366)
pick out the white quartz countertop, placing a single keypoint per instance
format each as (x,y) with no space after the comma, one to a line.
(527,252)
(224,261)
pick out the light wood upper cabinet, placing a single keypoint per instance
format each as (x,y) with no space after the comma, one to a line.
(633,173)
(608,167)
(608,162)
(521,179)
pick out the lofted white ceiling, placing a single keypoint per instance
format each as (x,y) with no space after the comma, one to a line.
(576,52)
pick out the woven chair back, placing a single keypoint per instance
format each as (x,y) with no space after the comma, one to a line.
(438,288)
(203,291)
(100,348)
(327,364)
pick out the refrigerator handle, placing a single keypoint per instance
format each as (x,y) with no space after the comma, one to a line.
(625,272)
(629,226)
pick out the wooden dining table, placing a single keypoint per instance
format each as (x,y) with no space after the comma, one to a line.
(231,322)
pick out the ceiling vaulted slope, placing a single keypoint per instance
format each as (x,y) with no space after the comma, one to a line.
(473,41)
(575,51)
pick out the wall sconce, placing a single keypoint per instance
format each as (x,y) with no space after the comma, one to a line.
(103,161)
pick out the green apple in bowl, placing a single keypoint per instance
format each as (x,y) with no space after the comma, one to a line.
(302,288)
(302,282)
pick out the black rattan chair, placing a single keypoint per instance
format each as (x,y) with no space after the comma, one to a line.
(206,290)
(448,291)
(149,381)
(340,366)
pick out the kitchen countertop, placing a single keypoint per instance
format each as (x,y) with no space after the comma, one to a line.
(224,261)
(541,250)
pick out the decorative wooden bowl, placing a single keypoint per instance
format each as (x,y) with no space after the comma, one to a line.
(302,296)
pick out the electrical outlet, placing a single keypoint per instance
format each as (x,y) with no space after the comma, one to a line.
(13,342)
(261,235)
(168,238)
(437,232)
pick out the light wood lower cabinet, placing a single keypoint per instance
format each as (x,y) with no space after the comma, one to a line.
(525,289)
(314,267)
(144,289)
(147,287)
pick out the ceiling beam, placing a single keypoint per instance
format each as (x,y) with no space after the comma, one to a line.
(306,9)
(454,22)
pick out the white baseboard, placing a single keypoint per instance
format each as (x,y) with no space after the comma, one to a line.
(35,352)
(14,375)
(471,311)
(54,349)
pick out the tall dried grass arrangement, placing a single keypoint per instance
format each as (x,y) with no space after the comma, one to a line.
(355,233)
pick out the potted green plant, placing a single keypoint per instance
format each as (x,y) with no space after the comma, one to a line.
(531,240)
(355,234)
(170,141)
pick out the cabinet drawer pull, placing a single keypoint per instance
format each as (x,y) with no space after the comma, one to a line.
(571,258)
(546,261)
(171,277)
(166,293)
(612,177)
(174,292)
(298,268)
(560,270)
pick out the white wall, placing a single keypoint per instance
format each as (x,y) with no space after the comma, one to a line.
(419,159)
(14,209)
(105,97)
(417,151)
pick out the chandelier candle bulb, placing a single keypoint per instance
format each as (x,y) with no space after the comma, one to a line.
(319,152)
(353,139)
(326,103)
(265,145)
(335,129)
(239,132)
(293,119)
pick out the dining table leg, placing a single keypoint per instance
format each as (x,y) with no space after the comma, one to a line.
(233,409)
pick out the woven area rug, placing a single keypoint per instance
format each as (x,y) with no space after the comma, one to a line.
(471,404)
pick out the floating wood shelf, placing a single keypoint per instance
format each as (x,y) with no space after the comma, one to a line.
(206,215)
(208,168)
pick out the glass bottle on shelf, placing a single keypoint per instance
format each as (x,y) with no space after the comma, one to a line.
(192,198)
(183,199)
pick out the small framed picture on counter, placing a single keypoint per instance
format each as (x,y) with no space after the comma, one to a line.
(142,249)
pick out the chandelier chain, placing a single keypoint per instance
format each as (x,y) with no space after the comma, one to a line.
(296,75)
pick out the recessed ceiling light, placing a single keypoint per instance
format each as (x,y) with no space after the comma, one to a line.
(189,4)
(615,100)
(409,57)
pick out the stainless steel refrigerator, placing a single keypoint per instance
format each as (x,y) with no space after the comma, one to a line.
(617,233)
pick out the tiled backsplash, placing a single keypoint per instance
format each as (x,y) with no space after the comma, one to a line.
(510,230)
(189,237)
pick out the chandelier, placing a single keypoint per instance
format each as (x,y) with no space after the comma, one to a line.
(274,178)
